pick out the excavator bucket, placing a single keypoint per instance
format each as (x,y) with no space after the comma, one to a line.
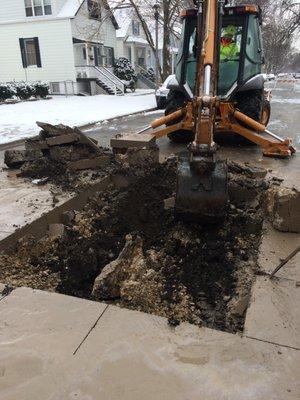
(202,190)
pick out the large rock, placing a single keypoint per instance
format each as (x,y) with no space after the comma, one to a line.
(108,284)
(283,206)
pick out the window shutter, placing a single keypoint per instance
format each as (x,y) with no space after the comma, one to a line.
(23,52)
(37,52)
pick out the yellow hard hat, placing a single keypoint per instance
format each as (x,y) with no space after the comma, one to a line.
(230,30)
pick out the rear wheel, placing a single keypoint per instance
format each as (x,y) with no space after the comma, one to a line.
(251,104)
(175,101)
(266,112)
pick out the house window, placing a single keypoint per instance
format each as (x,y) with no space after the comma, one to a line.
(94,9)
(36,8)
(136,28)
(30,52)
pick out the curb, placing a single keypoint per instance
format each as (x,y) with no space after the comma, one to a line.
(20,142)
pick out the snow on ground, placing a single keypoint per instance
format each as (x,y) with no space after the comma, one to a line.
(19,120)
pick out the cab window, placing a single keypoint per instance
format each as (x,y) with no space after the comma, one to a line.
(253,56)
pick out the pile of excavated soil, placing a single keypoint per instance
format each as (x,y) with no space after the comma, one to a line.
(127,247)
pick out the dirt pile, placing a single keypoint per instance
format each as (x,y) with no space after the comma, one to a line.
(58,154)
(127,247)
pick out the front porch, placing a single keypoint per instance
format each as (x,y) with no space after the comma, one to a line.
(94,69)
(138,52)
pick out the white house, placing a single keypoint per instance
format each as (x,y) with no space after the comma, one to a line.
(68,43)
(131,39)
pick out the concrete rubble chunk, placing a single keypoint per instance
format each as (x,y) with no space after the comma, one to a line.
(56,230)
(132,140)
(54,130)
(251,170)
(169,203)
(16,158)
(36,144)
(108,284)
(283,207)
(89,163)
(62,139)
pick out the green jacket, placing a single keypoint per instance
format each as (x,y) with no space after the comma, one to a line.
(229,51)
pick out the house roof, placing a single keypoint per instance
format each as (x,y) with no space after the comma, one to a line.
(71,8)
(134,39)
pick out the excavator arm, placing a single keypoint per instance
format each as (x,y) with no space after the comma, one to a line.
(202,178)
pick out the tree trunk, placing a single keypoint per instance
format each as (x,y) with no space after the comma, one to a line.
(166,44)
(147,33)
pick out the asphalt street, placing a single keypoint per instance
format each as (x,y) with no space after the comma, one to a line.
(284,121)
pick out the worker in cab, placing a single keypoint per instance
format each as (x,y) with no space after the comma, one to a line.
(229,49)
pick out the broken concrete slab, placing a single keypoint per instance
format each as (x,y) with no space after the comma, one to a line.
(283,206)
(90,163)
(35,144)
(276,246)
(123,142)
(141,352)
(54,130)
(62,139)
(274,313)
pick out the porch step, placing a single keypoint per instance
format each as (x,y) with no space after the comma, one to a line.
(107,88)
(146,81)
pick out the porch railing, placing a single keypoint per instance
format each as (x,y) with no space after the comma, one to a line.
(103,75)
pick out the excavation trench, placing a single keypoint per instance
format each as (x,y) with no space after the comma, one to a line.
(127,248)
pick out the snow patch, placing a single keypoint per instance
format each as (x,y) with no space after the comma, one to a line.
(18,121)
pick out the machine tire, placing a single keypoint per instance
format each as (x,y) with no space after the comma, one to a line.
(266,113)
(176,101)
(250,103)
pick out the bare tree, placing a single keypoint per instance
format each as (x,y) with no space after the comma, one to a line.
(281,23)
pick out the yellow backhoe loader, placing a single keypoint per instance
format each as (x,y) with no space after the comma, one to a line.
(219,88)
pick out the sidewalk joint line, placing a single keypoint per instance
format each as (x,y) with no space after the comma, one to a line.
(91,329)
(277,344)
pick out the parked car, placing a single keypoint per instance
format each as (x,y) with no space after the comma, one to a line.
(296,75)
(162,93)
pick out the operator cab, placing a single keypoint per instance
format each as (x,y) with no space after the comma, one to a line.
(240,51)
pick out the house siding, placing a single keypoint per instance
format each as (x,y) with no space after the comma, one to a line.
(56,48)
(91,30)
(11,10)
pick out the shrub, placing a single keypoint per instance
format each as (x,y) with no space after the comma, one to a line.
(124,71)
(24,90)
(41,89)
(7,91)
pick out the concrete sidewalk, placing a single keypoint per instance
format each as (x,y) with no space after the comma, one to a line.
(58,347)
(21,201)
